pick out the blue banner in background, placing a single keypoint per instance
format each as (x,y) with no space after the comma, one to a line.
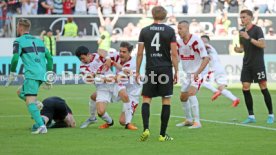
(61,63)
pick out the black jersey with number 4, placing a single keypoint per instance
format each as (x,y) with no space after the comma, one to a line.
(157,39)
(253,55)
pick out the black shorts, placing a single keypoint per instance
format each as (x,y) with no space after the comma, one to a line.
(255,75)
(159,85)
(55,109)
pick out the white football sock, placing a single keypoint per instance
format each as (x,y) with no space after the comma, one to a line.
(228,94)
(187,109)
(209,86)
(195,108)
(106,118)
(128,112)
(252,116)
(92,109)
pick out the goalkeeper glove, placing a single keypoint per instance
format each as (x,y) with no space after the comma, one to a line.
(11,78)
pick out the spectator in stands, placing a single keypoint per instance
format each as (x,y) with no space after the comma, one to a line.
(51,4)
(194,7)
(132,6)
(248,4)
(120,6)
(172,22)
(13,8)
(93,6)
(28,7)
(168,5)
(50,40)
(107,6)
(206,6)
(58,7)
(2,5)
(68,5)
(262,5)
(222,24)
(195,27)
(178,6)
(128,30)
(81,7)
(70,28)
(148,5)
(106,22)
(271,32)
(43,7)
(233,6)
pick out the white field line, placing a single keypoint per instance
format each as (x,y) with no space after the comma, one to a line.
(228,123)
(203,120)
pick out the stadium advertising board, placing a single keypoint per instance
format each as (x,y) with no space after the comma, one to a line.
(68,67)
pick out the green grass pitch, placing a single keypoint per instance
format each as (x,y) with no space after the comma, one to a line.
(221,132)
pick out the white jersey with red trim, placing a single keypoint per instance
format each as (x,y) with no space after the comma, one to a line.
(191,53)
(133,89)
(96,65)
(214,62)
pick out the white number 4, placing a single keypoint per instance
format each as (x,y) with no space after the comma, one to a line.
(155,41)
(261,75)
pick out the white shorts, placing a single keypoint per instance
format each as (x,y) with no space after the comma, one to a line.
(220,78)
(108,93)
(190,82)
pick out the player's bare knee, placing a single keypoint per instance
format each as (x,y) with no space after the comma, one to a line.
(262,85)
(93,96)
(122,121)
(221,87)
(100,112)
(124,97)
(184,97)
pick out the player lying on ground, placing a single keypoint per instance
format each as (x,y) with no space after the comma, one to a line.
(56,113)
(216,69)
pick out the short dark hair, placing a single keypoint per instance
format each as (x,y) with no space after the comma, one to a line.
(183,21)
(248,12)
(159,13)
(206,36)
(127,45)
(82,50)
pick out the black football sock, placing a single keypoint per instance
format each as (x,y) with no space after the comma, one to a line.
(165,116)
(248,101)
(268,101)
(145,115)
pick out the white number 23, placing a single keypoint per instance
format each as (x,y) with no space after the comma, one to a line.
(261,75)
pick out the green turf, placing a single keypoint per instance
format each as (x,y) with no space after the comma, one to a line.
(213,138)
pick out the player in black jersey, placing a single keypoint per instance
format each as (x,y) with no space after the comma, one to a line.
(56,113)
(159,43)
(253,70)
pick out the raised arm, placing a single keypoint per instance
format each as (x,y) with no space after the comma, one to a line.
(101,17)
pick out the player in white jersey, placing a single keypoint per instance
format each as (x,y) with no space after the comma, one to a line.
(219,74)
(126,68)
(194,58)
(94,67)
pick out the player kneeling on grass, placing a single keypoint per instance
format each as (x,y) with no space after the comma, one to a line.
(94,65)
(126,69)
(217,69)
